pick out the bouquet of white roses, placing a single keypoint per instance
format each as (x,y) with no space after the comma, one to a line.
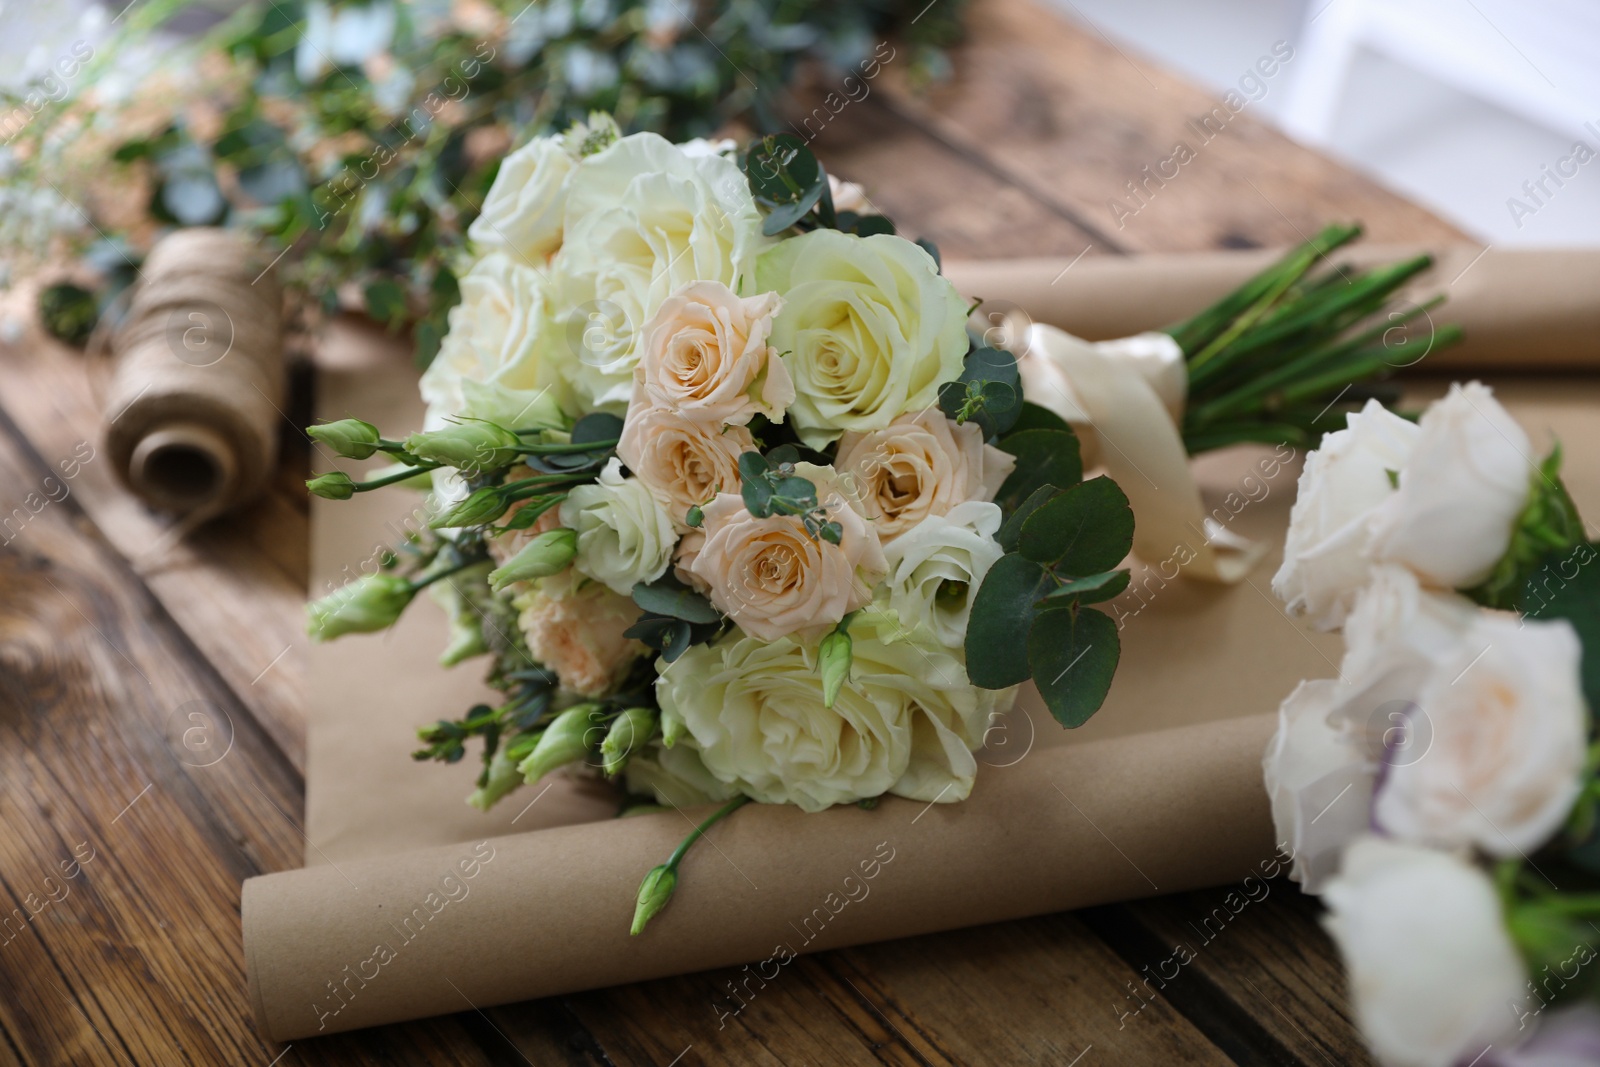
(717,476)
(1442,792)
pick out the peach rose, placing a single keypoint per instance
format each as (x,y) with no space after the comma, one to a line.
(574,626)
(681,460)
(706,356)
(772,578)
(917,466)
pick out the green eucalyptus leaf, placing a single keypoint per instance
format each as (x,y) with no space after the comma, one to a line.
(1091,589)
(1011,531)
(1044,457)
(1034,417)
(1085,530)
(596,426)
(670,597)
(1002,611)
(1073,656)
(1567,587)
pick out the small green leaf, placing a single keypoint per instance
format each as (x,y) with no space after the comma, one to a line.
(1073,656)
(1044,457)
(670,597)
(1011,532)
(596,426)
(784,216)
(1085,530)
(1088,590)
(1003,610)
(386,302)
(1034,417)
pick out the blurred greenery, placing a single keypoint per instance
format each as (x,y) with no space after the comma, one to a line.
(363,136)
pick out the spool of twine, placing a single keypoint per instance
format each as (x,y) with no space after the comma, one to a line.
(198,376)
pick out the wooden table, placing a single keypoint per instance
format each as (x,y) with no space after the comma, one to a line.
(117,636)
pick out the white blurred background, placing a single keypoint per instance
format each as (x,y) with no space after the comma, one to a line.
(1485,111)
(1453,103)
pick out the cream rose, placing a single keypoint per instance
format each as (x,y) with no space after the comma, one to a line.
(624,536)
(644,218)
(869,328)
(498,335)
(906,723)
(920,465)
(1506,727)
(575,627)
(1434,975)
(1319,777)
(522,215)
(772,578)
(675,776)
(936,567)
(684,462)
(706,356)
(1325,560)
(1467,481)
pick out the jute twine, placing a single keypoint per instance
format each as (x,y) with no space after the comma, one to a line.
(198,376)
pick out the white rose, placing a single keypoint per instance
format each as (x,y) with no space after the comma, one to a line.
(1505,727)
(1325,561)
(869,328)
(624,536)
(1335,738)
(936,567)
(906,722)
(498,335)
(522,215)
(1460,493)
(644,218)
(1433,972)
(1319,776)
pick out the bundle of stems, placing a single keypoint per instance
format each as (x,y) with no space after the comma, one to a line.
(1284,356)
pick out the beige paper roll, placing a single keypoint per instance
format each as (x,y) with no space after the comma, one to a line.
(192,412)
(1518,308)
(410,935)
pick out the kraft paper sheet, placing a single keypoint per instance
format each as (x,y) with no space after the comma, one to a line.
(1531,308)
(1160,792)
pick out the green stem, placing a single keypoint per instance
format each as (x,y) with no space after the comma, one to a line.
(391,479)
(419,584)
(565,449)
(699,831)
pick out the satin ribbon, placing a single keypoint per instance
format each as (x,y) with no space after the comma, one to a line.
(1125,399)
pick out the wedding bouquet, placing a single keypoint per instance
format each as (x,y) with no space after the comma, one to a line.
(728,494)
(1442,792)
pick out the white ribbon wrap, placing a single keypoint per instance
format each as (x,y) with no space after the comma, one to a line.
(1125,399)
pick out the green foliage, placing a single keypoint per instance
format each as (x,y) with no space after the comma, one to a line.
(371,159)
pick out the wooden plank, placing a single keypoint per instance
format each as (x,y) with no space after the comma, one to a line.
(236,586)
(1069,117)
(136,957)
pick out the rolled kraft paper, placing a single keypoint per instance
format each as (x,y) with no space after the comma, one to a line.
(1518,308)
(193,407)
(442,929)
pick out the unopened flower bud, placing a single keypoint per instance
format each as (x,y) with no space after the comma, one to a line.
(567,739)
(547,554)
(654,892)
(363,606)
(833,660)
(335,485)
(483,506)
(351,438)
(628,734)
(468,446)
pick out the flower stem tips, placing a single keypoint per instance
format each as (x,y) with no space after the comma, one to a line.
(659,885)
(364,606)
(470,446)
(628,734)
(833,660)
(350,438)
(566,740)
(547,554)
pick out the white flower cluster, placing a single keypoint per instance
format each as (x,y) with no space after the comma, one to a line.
(1454,733)
(630,276)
